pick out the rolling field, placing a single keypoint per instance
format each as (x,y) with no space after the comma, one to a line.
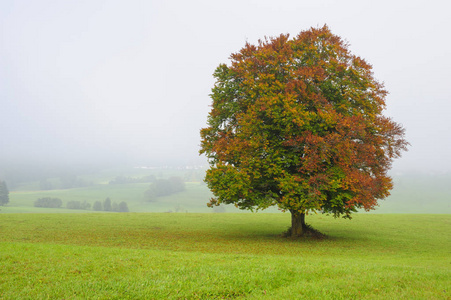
(411,194)
(193,199)
(222,256)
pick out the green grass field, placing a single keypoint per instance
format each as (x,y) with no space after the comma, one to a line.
(223,256)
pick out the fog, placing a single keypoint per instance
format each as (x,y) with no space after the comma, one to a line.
(85,82)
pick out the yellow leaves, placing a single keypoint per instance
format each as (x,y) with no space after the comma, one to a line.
(299,120)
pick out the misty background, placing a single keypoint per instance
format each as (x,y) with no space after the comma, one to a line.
(128,82)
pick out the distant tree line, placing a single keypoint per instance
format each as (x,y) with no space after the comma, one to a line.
(164,187)
(125,180)
(4,193)
(78,205)
(107,205)
(48,202)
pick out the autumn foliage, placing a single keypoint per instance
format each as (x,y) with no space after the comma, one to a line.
(298,123)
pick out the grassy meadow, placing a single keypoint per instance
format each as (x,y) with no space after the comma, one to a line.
(222,256)
(399,251)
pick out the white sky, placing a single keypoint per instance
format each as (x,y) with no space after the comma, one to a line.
(129,80)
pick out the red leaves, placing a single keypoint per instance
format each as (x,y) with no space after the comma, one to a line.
(298,123)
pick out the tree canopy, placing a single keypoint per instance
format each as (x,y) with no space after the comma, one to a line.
(298,123)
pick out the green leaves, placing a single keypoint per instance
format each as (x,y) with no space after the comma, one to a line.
(297,123)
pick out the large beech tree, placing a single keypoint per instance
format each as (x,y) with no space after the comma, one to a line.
(298,123)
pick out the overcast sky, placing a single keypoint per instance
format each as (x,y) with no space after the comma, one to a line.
(129,80)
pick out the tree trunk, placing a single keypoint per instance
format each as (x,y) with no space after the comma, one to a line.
(298,227)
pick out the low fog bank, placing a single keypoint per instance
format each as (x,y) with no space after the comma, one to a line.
(19,171)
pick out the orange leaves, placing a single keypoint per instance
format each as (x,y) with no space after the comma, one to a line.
(298,122)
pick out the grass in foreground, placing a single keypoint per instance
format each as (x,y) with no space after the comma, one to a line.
(216,256)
